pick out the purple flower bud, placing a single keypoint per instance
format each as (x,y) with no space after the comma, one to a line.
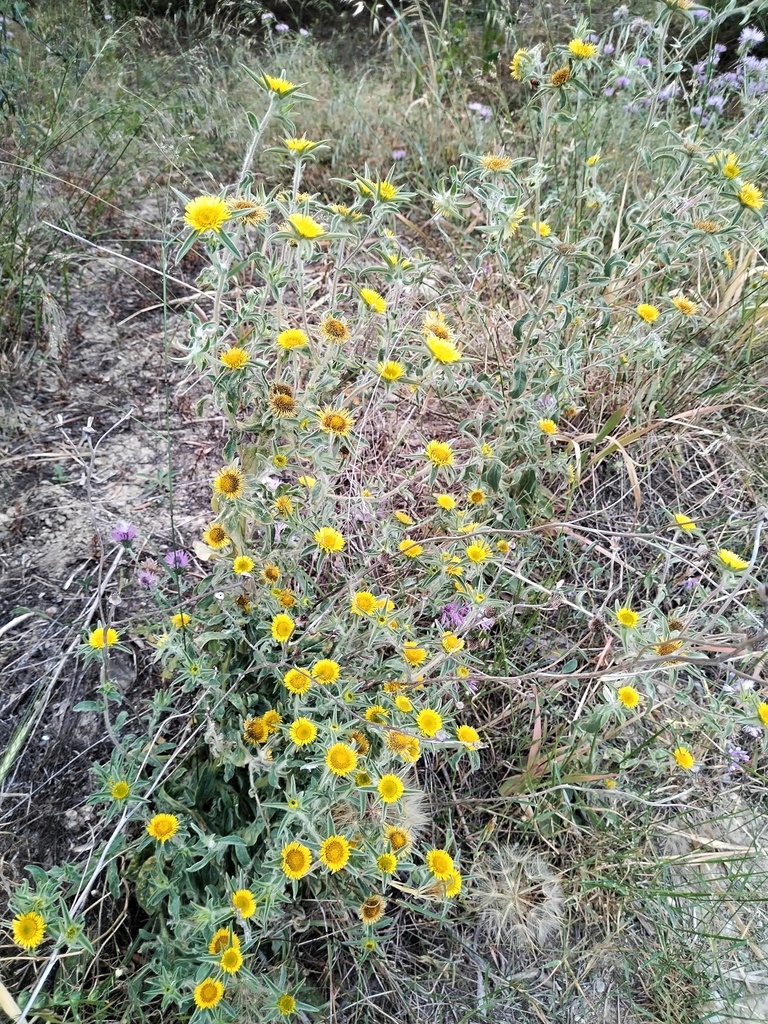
(718,102)
(700,14)
(177,560)
(609,49)
(282,27)
(622,82)
(692,581)
(481,110)
(146,579)
(642,62)
(398,154)
(124,532)
(303,31)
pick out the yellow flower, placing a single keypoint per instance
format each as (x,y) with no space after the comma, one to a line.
(731,167)
(221,940)
(286,1005)
(329,540)
(647,312)
(749,195)
(440,864)
(293,337)
(28,930)
(628,696)
(231,960)
(181,619)
(665,647)
(387,863)
(307,481)
(244,902)
(592,160)
(101,638)
(626,617)
(728,259)
(502,546)
(363,603)
(280,86)
(305,226)
(373,300)
(234,358)
(333,329)
(684,522)
(341,759)
(495,163)
(326,671)
(206,213)
(335,421)
(686,307)
(468,736)
(284,505)
(684,758)
(517,65)
(445,501)
(163,827)
(548,426)
(282,627)
(372,909)
(430,722)
(542,229)
(410,548)
(299,145)
(443,351)
(391,371)
(731,560)
(413,654)
(560,77)
(582,50)
(399,838)
(453,884)
(208,994)
(215,536)
(477,496)
(390,788)
(297,860)
(270,573)
(403,704)
(439,453)
(119,790)
(255,731)
(228,482)
(242,565)
(478,552)
(762,713)
(403,517)
(303,732)
(451,643)
(334,853)
(376,713)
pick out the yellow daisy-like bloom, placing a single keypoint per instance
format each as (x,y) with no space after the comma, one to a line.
(208,994)
(297,860)
(453,884)
(303,732)
(445,501)
(284,505)
(372,909)
(762,713)
(329,540)
(286,1005)
(334,852)
(272,720)
(373,300)
(728,259)
(297,680)
(684,522)
(234,358)
(270,573)
(335,421)
(231,960)
(731,167)
(413,654)
(628,696)
(731,560)
(406,747)
(434,323)
(626,617)
(686,307)
(376,713)
(305,226)
(228,482)
(361,741)
(163,827)
(120,790)
(333,329)
(326,671)
(181,619)
(100,638)
(708,226)
(390,788)
(468,736)
(749,195)
(647,312)
(391,371)
(440,864)
(221,941)
(592,160)
(502,546)
(665,647)
(242,565)
(293,337)
(28,930)
(280,86)
(451,643)
(244,902)
(684,758)
(403,703)
(206,213)
(495,162)
(560,77)
(518,62)
(548,426)
(478,552)
(298,145)
(430,722)
(582,50)
(443,351)
(542,229)
(282,627)
(256,215)
(341,759)
(477,496)
(399,838)
(410,548)
(215,536)
(255,731)
(307,481)
(439,454)
(387,863)
(363,603)
(386,190)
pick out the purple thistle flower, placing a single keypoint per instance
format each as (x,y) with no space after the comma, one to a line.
(718,102)
(398,154)
(609,49)
(750,37)
(754,731)
(700,14)
(738,756)
(282,27)
(178,560)
(481,110)
(124,532)
(642,62)
(622,82)
(146,579)
(453,615)
(692,581)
